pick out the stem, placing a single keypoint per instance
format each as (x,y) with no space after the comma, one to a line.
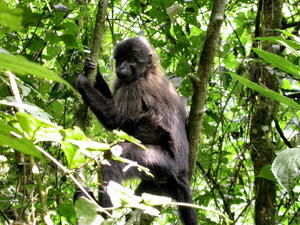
(34,167)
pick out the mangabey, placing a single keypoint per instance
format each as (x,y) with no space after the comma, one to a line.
(146,106)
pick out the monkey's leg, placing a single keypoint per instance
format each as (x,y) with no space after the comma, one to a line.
(167,179)
(155,158)
(151,187)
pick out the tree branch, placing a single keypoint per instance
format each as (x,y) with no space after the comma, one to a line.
(99,34)
(200,82)
(281,134)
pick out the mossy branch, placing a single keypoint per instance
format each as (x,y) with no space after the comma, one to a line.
(200,82)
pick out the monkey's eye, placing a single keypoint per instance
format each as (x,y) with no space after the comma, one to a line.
(132,60)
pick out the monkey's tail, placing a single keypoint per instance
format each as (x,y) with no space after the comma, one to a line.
(182,193)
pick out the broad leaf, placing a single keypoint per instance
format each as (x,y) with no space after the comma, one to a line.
(294,38)
(11,18)
(22,66)
(28,107)
(86,212)
(11,137)
(266,173)
(125,136)
(286,167)
(39,130)
(121,196)
(73,155)
(88,144)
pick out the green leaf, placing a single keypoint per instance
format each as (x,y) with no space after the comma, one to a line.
(278,62)
(90,145)
(295,38)
(153,200)
(73,155)
(69,40)
(11,18)
(11,137)
(121,196)
(67,210)
(39,130)
(266,173)
(86,212)
(286,167)
(22,66)
(125,136)
(291,45)
(266,92)
(36,44)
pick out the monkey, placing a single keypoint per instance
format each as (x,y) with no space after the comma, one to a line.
(145,105)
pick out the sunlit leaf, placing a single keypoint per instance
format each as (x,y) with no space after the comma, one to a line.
(28,107)
(278,62)
(11,137)
(121,196)
(90,145)
(291,45)
(294,37)
(11,18)
(155,199)
(72,153)
(22,66)
(129,138)
(286,168)
(39,130)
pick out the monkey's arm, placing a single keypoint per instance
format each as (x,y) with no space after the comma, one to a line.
(102,106)
(100,84)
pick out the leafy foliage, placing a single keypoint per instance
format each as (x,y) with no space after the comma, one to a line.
(267,92)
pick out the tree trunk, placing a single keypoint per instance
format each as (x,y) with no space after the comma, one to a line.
(264,111)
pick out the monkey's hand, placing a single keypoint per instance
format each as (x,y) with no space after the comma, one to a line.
(82,83)
(89,65)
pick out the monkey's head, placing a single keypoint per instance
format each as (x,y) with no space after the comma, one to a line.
(133,58)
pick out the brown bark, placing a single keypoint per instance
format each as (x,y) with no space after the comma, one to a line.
(81,112)
(99,34)
(200,81)
(264,111)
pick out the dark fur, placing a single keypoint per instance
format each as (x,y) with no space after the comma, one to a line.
(147,107)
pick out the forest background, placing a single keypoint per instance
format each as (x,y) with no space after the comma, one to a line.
(240,81)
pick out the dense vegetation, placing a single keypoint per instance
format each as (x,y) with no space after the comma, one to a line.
(247,157)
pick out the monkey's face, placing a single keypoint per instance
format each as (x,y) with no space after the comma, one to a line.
(133,60)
